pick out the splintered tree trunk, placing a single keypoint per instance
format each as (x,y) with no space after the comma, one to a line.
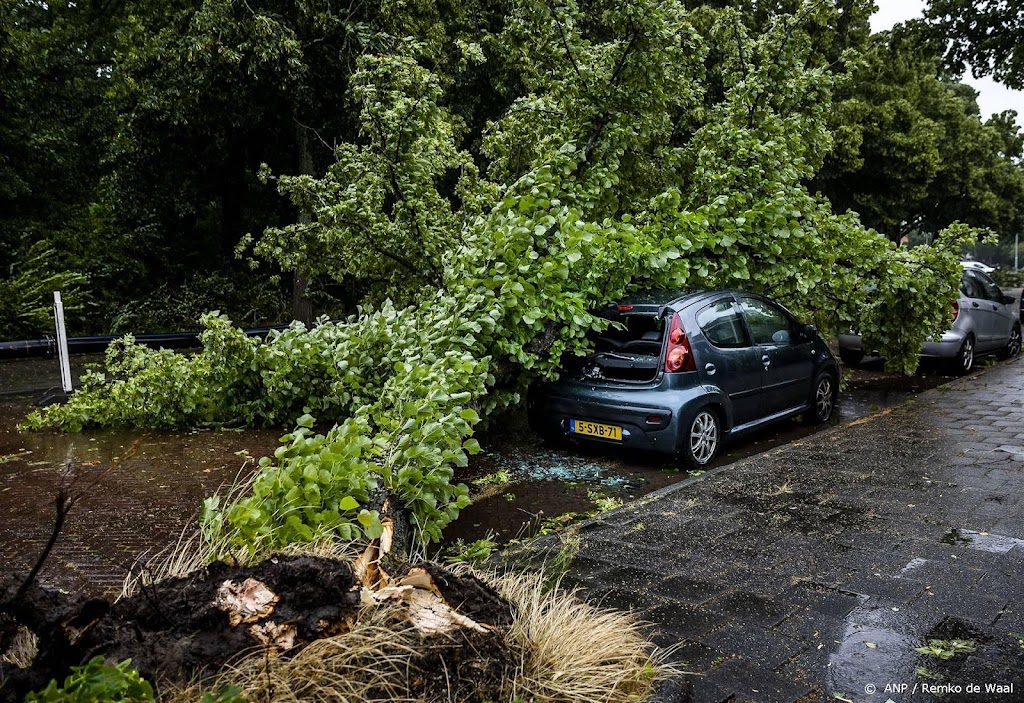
(302,308)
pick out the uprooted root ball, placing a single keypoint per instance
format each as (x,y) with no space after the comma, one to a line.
(309,629)
(556,648)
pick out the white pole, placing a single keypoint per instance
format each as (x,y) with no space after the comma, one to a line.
(62,343)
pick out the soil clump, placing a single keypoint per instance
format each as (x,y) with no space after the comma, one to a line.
(183,628)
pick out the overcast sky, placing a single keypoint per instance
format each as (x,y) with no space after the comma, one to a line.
(993,97)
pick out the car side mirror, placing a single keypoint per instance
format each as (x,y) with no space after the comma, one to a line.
(808,331)
(1009,300)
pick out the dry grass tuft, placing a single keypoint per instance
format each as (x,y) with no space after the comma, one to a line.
(370,663)
(22,650)
(575,652)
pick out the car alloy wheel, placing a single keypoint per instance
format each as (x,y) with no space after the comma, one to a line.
(1013,346)
(824,398)
(704,437)
(965,358)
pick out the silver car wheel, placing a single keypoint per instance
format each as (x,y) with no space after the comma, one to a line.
(703,437)
(1013,348)
(824,397)
(967,355)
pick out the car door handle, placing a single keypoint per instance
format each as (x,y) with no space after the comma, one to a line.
(996,308)
(710,368)
(975,305)
(767,361)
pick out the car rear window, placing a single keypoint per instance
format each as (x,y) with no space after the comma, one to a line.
(633,334)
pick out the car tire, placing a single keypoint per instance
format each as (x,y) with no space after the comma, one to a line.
(963,362)
(851,357)
(823,399)
(1012,347)
(702,438)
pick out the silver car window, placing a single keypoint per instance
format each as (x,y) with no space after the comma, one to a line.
(969,287)
(992,291)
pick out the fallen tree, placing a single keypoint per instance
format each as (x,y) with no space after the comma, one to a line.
(617,169)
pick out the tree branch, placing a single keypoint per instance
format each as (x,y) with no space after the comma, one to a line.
(565,45)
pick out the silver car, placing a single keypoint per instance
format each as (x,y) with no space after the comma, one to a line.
(985,321)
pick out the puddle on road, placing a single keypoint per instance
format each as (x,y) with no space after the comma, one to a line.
(982,541)
(876,647)
(141,488)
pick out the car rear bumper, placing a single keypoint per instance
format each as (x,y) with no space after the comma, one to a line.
(648,423)
(946,347)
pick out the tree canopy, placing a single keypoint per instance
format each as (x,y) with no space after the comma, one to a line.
(134,136)
(985,35)
(912,153)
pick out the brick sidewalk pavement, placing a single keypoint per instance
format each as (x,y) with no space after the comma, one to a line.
(817,568)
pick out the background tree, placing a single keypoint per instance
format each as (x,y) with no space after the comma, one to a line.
(54,67)
(985,35)
(207,91)
(912,154)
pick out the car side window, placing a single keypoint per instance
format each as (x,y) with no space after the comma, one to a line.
(722,325)
(768,324)
(992,291)
(969,287)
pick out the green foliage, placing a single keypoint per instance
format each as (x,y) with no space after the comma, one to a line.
(913,154)
(602,502)
(386,221)
(228,693)
(475,553)
(251,301)
(96,683)
(614,170)
(498,478)
(225,694)
(1009,278)
(26,293)
(946,649)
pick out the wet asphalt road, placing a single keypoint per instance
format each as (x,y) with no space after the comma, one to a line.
(813,571)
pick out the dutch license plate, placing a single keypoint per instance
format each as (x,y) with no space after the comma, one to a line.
(596,429)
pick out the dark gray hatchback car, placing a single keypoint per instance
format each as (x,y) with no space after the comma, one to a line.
(680,373)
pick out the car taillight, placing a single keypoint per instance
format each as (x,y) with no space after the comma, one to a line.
(956,311)
(678,356)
